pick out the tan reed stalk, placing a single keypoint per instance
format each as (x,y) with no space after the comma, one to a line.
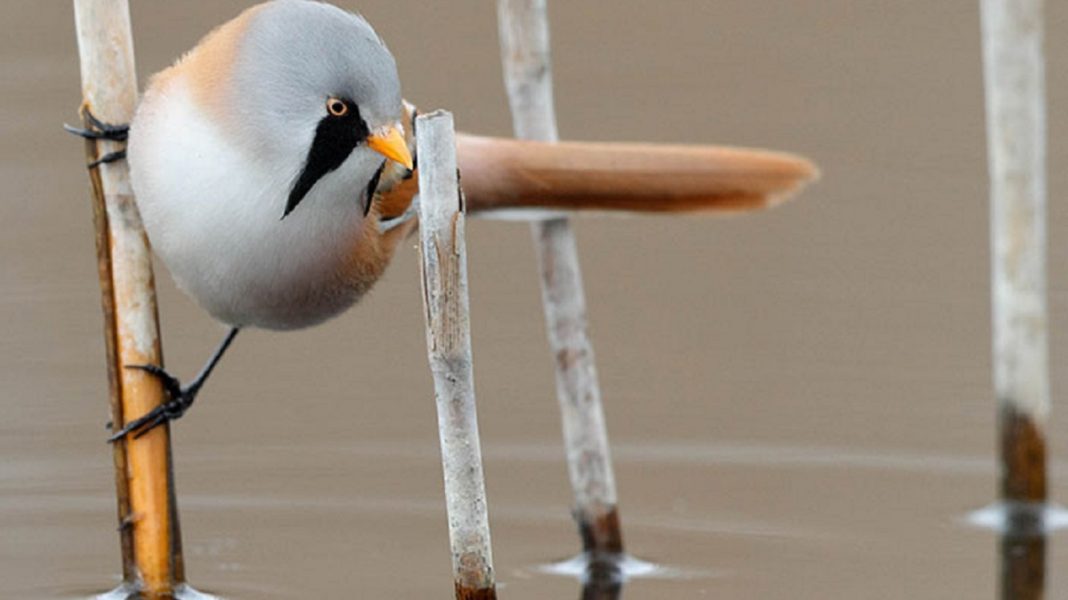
(1016,131)
(524,33)
(151,548)
(448,338)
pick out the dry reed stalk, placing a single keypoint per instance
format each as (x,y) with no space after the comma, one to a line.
(1016,131)
(448,337)
(524,33)
(151,548)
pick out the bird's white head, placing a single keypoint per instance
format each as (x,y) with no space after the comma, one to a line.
(313,89)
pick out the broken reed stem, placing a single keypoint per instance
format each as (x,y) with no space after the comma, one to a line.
(448,338)
(524,33)
(1016,131)
(151,549)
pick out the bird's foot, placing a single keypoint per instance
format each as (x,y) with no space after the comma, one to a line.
(99,130)
(179,399)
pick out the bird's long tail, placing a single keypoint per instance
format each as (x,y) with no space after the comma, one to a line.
(510,175)
(505,177)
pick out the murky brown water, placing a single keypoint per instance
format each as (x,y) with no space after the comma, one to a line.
(799,400)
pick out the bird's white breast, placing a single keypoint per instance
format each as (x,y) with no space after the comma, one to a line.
(213,209)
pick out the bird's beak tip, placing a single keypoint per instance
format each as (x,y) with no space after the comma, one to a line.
(389,142)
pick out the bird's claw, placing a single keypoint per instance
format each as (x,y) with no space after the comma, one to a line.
(179,399)
(99,130)
(110,157)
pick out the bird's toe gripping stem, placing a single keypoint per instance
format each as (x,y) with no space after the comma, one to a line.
(179,399)
(99,130)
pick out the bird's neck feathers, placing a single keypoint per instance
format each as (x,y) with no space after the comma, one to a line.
(206,71)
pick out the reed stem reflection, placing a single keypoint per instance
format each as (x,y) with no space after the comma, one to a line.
(1023,552)
(604,579)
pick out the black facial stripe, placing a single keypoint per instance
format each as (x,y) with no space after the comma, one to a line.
(335,138)
(372,187)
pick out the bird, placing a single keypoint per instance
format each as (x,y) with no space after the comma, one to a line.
(274,176)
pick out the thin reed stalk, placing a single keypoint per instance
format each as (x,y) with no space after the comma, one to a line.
(1016,130)
(525,55)
(448,338)
(151,547)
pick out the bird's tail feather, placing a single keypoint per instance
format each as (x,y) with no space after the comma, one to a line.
(509,175)
(505,177)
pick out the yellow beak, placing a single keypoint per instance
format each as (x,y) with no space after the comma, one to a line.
(389,142)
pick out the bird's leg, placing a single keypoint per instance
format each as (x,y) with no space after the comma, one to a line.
(179,398)
(99,130)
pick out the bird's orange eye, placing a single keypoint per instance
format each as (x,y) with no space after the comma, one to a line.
(337,107)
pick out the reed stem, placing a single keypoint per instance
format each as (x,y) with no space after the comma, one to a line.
(1016,130)
(448,338)
(525,55)
(150,539)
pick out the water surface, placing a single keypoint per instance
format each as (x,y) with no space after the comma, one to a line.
(799,401)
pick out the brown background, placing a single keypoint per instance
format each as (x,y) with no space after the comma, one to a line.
(799,400)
